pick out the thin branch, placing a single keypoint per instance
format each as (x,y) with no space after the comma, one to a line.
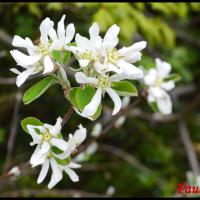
(187,142)
(13,130)
(67,116)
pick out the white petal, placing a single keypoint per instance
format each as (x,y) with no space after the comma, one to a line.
(54,130)
(116,99)
(43,172)
(151,77)
(163,68)
(82,78)
(80,135)
(56,45)
(83,115)
(100,68)
(16,71)
(83,62)
(36,137)
(61,29)
(59,143)
(133,57)
(71,173)
(52,34)
(164,104)
(111,33)
(44,148)
(56,174)
(45,27)
(21,78)
(48,65)
(70,31)
(94,31)
(83,42)
(157,92)
(74,165)
(169,85)
(127,51)
(25,43)
(92,107)
(114,68)
(24,60)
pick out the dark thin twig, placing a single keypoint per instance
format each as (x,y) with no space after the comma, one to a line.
(67,116)
(191,154)
(13,130)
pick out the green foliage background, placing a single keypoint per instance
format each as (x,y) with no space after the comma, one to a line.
(172,34)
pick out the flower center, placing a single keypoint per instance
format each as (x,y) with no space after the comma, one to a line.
(158,82)
(104,82)
(112,56)
(47,136)
(43,49)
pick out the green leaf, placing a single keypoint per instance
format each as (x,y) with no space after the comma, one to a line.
(80,97)
(38,89)
(124,88)
(63,162)
(173,77)
(61,56)
(30,121)
(154,106)
(84,96)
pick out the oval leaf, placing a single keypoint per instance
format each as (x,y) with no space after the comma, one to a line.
(124,88)
(38,89)
(30,121)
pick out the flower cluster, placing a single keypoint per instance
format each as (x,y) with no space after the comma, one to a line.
(104,69)
(52,150)
(159,81)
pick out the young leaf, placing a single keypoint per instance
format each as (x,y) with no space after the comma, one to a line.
(38,89)
(30,121)
(72,96)
(173,77)
(61,56)
(154,106)
(124,88)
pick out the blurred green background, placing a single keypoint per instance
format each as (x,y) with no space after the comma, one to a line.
(172,34)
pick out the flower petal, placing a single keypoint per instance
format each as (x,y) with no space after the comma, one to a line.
(70,31)
(36,137)
(169,85)
(71,173)
(127,51)
(111,33)
(92,107)
(133,57)
(80,135)
(54,130)
(24,60)
(25,43)
(59,143)
(82,78)
(48,65)
(163,68)
(164,104)
(21,78)
(83,42)
(14,70)
(61,29)
(83,62)
(44,148)
(43,172)
(56,174)
(94,31)
(45,27)
(74,165)
(116,99)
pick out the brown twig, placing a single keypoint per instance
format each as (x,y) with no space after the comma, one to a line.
(187,142)
(13,130)
(67,115)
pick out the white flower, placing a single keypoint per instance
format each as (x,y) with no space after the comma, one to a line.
(39,56)
(103,84)
(57,171)
(15,171)
(48,137)
(157,86)
(103,55)
(96,131)
(73,142)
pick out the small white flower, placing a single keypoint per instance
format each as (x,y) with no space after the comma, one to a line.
(39,56)
(47,138)
(103,55)
(97,130)
(157,86)
(15,171)
(103,84)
